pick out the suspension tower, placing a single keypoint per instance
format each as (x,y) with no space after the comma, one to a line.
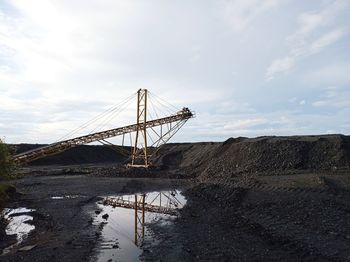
(158,130)
(139,157)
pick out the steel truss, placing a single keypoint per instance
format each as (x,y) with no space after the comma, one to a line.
(168,206)
(140,154)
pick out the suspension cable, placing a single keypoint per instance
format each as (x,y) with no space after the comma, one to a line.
(165,102)
(160,107)
(112,115)
(96,118)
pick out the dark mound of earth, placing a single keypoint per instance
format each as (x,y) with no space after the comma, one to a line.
(258,155)
(85,154)
(224,160)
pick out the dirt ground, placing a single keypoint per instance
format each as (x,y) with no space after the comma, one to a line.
(301,217)
(259,199)
(291,217)
(64,231)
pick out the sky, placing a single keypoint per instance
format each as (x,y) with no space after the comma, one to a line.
(246,67)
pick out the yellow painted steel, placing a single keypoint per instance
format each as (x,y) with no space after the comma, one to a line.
(139,157)
(140,128)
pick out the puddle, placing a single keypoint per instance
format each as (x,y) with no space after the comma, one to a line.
(125,228)
(66,197)
(17,225)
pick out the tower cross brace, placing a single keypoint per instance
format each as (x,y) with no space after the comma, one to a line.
(139,157)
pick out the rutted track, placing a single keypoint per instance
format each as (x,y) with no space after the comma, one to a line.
(261,199)
(257,221)
(64,227)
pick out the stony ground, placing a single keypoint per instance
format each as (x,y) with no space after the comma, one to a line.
(260,199)
(301,218)
(64,230)
(251,218)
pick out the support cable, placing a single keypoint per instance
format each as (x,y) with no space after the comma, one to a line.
(95,119)
(163,108)
(165,102)
(111,116)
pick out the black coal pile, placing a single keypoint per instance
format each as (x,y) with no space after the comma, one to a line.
(211,160)
(85,154)
(273,154)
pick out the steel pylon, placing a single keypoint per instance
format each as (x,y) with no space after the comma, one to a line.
(139,157)
(142,151)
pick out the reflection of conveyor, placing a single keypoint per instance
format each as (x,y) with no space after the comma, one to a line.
(143,129)
(118,202)
(167,206)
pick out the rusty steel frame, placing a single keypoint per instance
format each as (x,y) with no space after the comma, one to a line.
(59,147)
(139,219)
(139,157)
(117,202)
(142,124)
(140,207)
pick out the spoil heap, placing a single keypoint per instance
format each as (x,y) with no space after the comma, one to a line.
(85,154)
(273,155)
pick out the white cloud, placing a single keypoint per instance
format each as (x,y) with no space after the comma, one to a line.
(325,40)
(241,13)
(312,37)
(283,65)
(337,103)
(332,74)
(333,98)
(244,123)
(63,62)
(280,65)
(308,22)
(277,123)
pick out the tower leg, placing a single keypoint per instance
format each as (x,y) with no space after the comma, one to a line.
(139,157)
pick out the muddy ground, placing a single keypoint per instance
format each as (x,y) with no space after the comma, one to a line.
(289,218)
(260,199)
(304,217)
(64,230)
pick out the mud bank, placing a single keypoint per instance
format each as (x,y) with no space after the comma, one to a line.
(259,199)
(85,154)
(64,229)
(302,218)
(262,155)
(236,157)
(222,160)
(248,218)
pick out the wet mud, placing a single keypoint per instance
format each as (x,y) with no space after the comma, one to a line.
(65,226)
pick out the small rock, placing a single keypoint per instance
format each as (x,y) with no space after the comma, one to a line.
(27,248)
(105,216)
(97,212)
(69,242)
(194,215)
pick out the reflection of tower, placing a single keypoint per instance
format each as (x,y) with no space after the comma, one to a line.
(161,203)
(166,206)
(139,219)
(139,156)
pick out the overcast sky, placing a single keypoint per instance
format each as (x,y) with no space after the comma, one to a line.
(247,67)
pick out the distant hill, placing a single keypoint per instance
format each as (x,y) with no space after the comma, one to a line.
(85,154)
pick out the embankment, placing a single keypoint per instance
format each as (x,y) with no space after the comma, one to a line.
(85,154)
(272,154)
(232,158)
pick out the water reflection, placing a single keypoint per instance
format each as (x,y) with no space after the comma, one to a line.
(163,203)
(124,220)
(18,219)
